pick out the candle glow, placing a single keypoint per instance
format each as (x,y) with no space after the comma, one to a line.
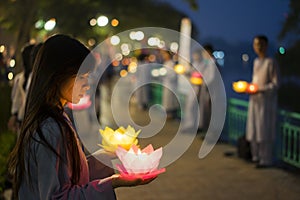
(252,88)
(121,137)
(240,86)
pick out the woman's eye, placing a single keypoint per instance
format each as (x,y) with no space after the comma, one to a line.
(83,77)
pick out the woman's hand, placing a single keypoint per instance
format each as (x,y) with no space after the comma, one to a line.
(120,181)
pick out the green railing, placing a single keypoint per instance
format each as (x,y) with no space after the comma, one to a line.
(236,118)
(288,132)
(156,94)
(156,97)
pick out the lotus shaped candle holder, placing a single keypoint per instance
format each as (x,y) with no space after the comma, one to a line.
(139,163)
(121,137)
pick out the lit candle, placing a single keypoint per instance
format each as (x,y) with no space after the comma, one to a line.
(124,137)
(139,163)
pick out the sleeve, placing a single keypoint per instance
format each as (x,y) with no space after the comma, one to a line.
(15,97)
(273,73)
(100,165)
(210,73)
(54,181)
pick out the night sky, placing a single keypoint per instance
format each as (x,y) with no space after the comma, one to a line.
(236,20)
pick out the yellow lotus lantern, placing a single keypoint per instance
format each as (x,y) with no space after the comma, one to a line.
(139,163)
(240,86)
(179,69)
(121,137)
(196,78)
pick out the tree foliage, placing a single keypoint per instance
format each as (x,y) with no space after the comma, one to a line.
(292,22)
(289,62)
(73,16)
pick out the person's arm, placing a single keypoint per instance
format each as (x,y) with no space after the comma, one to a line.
(274,78)
(54,179)
(100,165)
(53,176)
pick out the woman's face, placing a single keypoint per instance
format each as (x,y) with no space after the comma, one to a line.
(72,91)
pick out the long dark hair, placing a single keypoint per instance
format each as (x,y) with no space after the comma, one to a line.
(58,60)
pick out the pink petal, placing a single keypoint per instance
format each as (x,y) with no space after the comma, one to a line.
(149,149)
(135,148)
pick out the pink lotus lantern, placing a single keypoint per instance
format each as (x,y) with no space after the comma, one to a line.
(139,163)
(84,103)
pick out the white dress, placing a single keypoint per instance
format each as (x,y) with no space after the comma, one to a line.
(261,122)
(169,100)
(19,94)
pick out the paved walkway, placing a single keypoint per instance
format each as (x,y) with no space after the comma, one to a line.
(212,178)
(215,177)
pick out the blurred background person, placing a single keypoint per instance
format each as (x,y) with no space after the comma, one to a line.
(208,73)
(192,99)
(143,75)
(20,88)
(3,69)
(169,100)
(262,110)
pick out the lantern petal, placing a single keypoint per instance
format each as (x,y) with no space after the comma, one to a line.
(149,149)
(121,153)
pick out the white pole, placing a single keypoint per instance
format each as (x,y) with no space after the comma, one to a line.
(185,43)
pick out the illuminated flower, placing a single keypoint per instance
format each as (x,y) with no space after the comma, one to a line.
(124,137)
(84,103)
(139,163)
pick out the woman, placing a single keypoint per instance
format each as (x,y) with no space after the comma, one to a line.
(47,161)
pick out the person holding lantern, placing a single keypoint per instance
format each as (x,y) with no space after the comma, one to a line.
(209,75)
(170,80)
(191,118)
(262,111)
(47,161)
